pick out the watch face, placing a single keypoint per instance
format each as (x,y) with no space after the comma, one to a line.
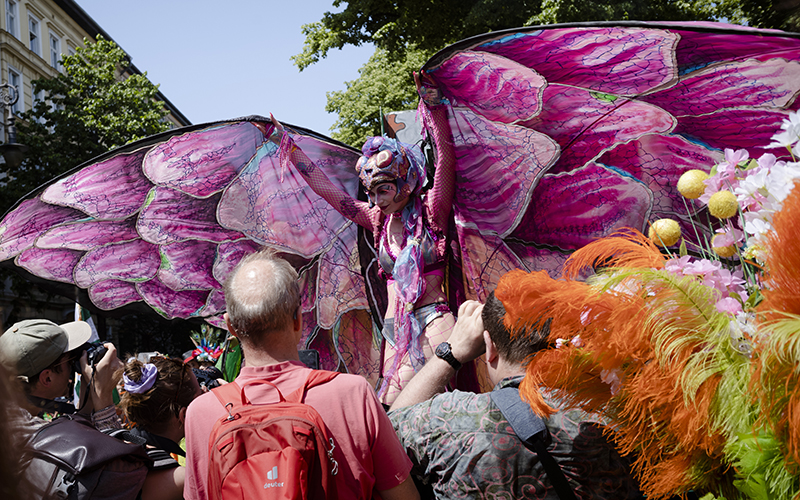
(443,349)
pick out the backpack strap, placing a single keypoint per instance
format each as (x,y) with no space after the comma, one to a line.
(532,431)
(315,378)
(233,394)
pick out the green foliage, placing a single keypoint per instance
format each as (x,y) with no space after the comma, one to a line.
(567,11)
(89,110)
(778,14)
(384,84)
(397,26)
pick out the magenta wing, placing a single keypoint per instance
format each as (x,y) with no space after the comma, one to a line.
(566,133)
(163,221)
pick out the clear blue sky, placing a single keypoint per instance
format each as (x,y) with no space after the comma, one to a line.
(220,60)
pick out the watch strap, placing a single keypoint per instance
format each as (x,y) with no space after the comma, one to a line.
(444,351)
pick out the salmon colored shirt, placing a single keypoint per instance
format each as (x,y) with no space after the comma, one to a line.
(367,449)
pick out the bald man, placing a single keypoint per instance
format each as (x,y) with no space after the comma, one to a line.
(263,304)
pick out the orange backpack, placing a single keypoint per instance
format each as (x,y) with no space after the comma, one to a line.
(276,450)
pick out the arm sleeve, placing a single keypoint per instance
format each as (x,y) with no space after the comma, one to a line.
(106,419)
(440,197)
(356,211)
(391,465)
(197,436)
(412,425)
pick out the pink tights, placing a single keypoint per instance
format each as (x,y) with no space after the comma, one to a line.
(434,334)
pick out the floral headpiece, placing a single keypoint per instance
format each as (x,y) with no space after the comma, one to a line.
(205,353)
(207,344)
(389,158)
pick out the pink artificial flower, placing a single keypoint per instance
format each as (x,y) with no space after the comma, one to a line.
(766,161)
(713,184)
(729,305)
(701,267)
(729,235)
(676,266)
(611,377)
(577,341)
(736,157)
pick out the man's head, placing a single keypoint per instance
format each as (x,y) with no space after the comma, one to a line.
(514,347)
(38,352)
(262,297)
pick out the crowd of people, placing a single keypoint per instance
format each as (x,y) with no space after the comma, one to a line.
(430,442)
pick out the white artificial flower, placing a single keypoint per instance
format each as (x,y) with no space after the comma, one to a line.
(751,184)
(780,180)
(757,226)
(790,134)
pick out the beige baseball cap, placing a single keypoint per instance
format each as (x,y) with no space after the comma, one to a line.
(30,346)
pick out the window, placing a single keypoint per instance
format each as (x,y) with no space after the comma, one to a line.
(36,40)
(37,98)
(15,79)
(55,51)
(11,17)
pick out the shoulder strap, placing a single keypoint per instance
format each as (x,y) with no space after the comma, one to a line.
(229,393)
(531,430)
(315,378)
(233,394)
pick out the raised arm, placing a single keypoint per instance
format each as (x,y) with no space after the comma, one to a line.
(434,114)
(356,211)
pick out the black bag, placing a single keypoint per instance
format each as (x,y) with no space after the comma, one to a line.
(70,459)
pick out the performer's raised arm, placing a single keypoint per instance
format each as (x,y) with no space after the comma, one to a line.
(355,210)
(434,113)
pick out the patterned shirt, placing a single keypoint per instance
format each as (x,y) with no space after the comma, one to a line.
(463,447)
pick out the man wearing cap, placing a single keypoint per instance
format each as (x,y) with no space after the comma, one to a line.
(40,354)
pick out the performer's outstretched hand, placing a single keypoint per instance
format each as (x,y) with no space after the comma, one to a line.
(278,133)
(428,92)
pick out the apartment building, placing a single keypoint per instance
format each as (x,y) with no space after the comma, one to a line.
(34,36)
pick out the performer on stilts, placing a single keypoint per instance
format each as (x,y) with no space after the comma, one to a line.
(409,229)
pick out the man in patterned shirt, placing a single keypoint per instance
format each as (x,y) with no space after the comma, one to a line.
(463,447)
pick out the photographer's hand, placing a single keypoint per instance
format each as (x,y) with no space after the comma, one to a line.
(103,380)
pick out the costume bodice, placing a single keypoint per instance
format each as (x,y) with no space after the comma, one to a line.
(430,254)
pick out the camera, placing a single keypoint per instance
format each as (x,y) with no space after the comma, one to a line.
(207,377)
(94,353)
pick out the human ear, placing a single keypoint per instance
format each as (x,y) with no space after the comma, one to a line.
(491,350)
(297,320)
(228,324)
(45,377)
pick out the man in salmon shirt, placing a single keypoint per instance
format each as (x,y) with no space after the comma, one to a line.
(263,304)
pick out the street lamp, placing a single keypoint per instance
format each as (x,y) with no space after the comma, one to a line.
(13,152)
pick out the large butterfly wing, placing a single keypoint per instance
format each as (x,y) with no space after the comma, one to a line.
(162,222)
(565,133)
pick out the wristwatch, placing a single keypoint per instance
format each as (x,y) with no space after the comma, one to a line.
(445,352)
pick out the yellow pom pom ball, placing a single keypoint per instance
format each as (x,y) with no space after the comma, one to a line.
(723,204)
(691,185)
(726,251)
(664,232)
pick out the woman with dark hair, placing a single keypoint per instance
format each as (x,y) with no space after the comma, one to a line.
(409,227)
(156,395)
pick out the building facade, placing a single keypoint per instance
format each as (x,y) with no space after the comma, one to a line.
(34,34)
